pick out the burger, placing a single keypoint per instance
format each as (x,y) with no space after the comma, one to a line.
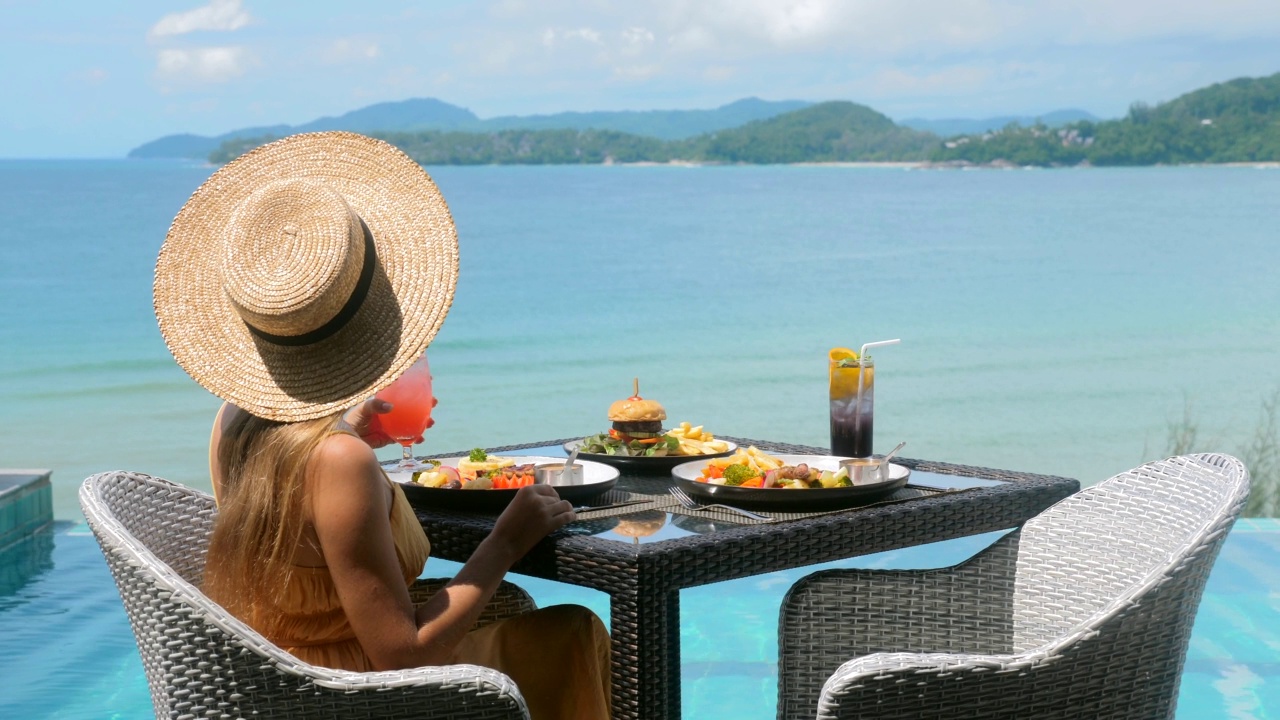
(636,431)
(637,419)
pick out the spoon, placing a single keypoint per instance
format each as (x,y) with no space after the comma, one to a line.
(885,460)
(566,475)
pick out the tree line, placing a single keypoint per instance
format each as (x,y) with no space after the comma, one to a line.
(1236,121)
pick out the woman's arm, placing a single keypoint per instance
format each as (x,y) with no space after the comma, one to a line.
(351,504)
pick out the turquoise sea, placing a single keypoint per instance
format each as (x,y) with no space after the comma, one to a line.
(1052,321)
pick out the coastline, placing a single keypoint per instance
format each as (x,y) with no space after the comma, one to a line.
(931,165)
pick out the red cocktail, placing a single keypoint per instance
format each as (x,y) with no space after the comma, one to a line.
(411,402)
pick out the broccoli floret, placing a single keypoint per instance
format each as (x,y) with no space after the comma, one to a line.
(478,455)
(737,474)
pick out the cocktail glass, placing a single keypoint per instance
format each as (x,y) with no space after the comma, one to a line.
(852,392)
(411,403)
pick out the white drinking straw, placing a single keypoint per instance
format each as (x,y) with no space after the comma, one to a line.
(863,351)
(862,358)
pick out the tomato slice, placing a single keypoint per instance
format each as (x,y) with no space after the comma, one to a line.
(613,433)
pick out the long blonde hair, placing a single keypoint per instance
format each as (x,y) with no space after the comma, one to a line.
(260,510)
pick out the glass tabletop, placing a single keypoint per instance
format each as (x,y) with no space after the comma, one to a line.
(656,525)
(648,526)
(919,478)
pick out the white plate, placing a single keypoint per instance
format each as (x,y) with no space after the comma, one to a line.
(783,499)
(597,479)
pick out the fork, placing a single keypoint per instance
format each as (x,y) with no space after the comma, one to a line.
(683,498)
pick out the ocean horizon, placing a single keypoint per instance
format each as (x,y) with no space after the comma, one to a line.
(1053,321)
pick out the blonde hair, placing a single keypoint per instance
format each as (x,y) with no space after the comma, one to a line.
(260,510)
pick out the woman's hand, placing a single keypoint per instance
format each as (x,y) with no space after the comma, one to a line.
(535,512)
(363,419)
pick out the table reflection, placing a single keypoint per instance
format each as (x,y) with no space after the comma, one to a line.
(648,526)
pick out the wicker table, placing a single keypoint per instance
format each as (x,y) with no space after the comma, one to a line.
(643,580)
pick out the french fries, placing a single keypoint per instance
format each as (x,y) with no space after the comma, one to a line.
(752,457)
(696,441)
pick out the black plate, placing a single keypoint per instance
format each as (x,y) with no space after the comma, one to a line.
(815,499)
(598,479)
(661,465)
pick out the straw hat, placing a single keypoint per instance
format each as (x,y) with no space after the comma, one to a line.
(307,274)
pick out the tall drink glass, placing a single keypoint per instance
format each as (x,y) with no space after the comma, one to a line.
(852,404)
(411,402)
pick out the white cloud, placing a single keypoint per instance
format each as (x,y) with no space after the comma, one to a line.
(217,15)
(351,49)
(637,36)
(635,72)
(202,65)
(719,73)
(535,55)
(552,37)
(95,75)
(879,29)
(891,28)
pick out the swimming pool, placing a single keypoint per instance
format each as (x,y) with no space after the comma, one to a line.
(66,651)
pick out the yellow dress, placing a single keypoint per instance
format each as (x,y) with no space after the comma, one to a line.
(558,656)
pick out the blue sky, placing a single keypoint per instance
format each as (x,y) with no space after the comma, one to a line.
(94,79)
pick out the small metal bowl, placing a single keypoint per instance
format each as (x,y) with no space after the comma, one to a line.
(866,471)
(552,474)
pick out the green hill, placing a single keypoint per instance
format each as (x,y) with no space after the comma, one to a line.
(1236,121)
(950,127)
(663,124)
(527,147)
(428,114)
(828,132)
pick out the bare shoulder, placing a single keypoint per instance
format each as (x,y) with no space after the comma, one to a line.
(344,471)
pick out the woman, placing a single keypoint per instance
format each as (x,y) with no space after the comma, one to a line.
(298,281)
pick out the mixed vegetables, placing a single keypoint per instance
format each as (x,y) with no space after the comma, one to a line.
(752,468)
(480,471)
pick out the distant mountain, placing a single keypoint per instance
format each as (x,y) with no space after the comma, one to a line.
(420,113)
(1234,121)
(950,127)
(431,114)
(405,115)
(663,124)
(827,132)
(198,147)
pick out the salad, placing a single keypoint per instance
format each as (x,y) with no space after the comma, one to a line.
(684,439)
(609,444)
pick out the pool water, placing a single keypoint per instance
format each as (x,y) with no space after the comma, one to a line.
(66,651)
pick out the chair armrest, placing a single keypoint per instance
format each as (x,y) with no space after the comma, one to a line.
(833,615)
(508,600)
(1106,673)
(945,685)
(461,692)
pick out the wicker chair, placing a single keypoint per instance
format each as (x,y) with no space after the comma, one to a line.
(1085,612)
(201,662)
